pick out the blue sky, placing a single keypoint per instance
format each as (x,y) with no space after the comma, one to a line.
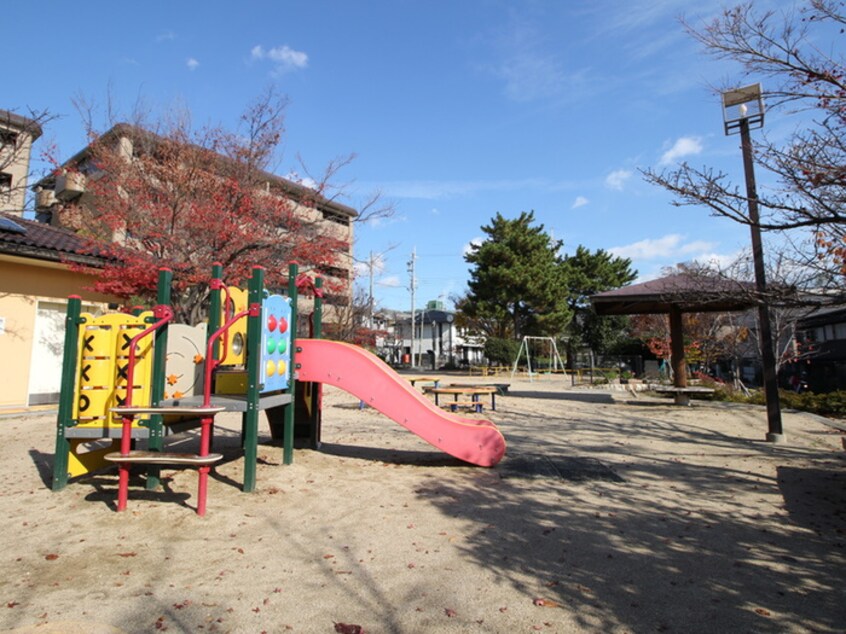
(455,110)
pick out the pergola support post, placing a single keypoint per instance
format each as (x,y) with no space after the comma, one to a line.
(677,360)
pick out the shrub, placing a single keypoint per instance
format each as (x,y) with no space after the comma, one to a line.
(501,351)
(829,404)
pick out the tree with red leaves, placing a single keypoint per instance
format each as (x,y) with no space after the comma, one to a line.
(168,195)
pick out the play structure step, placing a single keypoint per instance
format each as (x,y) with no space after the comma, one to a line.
(158,457)
(180,410)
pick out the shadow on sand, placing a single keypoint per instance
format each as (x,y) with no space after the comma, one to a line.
(581,397)
(392,456)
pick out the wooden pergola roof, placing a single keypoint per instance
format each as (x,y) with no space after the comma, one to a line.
(673,295)
(687,293)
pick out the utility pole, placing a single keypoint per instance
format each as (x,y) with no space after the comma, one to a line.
(411,264)
(370,266)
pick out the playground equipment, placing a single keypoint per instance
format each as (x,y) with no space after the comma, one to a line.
(528,344)
(368,378)
(124,381)
(115,366)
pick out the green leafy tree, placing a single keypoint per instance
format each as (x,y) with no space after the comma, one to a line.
(586,274)
(516,286)
(501,351)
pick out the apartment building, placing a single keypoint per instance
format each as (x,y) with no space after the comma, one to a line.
(17,134)
(67,200)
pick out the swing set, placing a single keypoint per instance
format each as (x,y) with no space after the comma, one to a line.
(538,344)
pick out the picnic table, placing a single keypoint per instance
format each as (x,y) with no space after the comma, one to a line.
(412,379)
(474,392)
(682,394)
(422,379)
(502,388)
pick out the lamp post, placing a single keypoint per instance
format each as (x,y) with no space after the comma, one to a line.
(743,108)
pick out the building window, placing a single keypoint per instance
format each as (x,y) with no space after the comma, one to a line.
(334,271)
(5,185)
(8,138)
(336,218)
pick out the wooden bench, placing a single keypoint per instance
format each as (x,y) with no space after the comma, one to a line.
(474,392)
(454,406)
(682,394)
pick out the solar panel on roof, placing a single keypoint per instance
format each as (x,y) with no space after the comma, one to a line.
(10,225)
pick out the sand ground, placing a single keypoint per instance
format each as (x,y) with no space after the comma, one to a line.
(610,513)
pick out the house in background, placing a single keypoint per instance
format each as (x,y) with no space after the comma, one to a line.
(821,350)
(17,134)
(36,277)
(437,341)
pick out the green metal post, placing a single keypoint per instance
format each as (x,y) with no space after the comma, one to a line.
(214,309)
(156,440)
(214,320)
(288,424)
(255,297)
(68,392)
(316,420)
(318,308)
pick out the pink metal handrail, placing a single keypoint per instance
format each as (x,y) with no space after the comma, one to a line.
(253,311)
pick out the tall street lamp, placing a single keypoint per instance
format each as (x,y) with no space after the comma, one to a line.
(743,108)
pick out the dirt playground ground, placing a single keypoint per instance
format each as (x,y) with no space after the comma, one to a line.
(609,513)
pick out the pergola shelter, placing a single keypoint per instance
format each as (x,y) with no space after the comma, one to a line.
(675,295)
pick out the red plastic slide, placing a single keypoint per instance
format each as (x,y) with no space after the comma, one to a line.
(365,376)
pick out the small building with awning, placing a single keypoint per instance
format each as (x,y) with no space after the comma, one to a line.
(37,273)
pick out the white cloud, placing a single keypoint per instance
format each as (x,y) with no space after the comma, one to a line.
(649,249)
(684,146)
(532,68)
(698,246)
(305,181)
(379,265)
(474,242)
(166,36)
(391,281)
(192,63)
(617,179)
(718,260)
(580,201)
(673,247)
(283,57)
